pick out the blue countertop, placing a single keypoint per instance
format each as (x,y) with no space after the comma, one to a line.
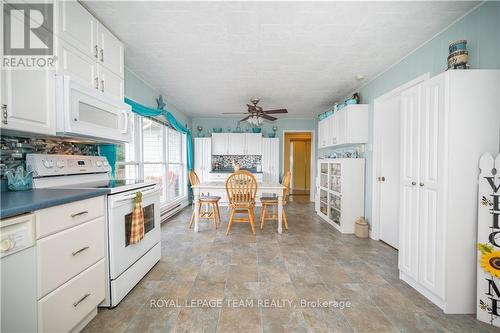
(232,170)
(16,203)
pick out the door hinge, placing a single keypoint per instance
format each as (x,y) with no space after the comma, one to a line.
(4,114)
(102,55)
(96,83)
(102,85)
(96,51)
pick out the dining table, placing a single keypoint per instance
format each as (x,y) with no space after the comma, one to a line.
(218,188)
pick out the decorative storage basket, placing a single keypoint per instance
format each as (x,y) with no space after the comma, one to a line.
(361,228)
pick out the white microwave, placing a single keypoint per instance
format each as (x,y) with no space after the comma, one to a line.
(86,113)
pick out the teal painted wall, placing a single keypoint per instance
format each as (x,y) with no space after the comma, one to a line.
(481,29)
(141,92)
(303,124)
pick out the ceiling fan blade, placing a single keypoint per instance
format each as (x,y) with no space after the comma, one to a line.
(245,118)
(276,111)
(265,116)
(234,113)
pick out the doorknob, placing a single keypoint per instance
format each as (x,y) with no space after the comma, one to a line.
(414,183)
(421,184)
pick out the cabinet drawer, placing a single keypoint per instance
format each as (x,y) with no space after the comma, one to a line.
(67,253)
(63,309)
(54,219)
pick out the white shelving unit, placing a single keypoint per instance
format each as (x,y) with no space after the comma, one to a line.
(340,193)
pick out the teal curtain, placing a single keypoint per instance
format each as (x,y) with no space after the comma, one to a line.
(109,151)
(149,112)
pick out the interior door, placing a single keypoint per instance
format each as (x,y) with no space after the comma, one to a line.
(431,257)
(387,175)
(409,171)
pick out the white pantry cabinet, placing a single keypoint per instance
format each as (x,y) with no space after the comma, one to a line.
(270,159)
(447,122)
(345,127)
(340,192)
(203,158)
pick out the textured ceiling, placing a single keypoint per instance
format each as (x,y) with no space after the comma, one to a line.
(212,57)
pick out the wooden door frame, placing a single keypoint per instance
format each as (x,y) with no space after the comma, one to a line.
(377,131)
(313,158)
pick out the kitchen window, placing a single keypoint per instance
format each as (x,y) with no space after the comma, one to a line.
(156,153)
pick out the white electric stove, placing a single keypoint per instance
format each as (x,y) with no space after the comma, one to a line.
(126,263)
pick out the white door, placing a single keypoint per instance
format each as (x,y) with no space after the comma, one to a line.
(387,173)
(409,173)
(431,186)
(253,143)
(110,51)
(28,101)
(236,144)
(74,63)
(111,84)
(219,144)
(78,27)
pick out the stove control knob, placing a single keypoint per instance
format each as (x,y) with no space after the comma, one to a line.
(47,164)
(106,163)
(60,164)
(6,245)
(98,163)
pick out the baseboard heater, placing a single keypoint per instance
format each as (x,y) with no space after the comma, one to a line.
(164,215)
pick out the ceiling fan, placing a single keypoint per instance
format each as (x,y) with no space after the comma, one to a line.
(256,114)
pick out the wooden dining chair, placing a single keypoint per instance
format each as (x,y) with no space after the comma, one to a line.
(272,202)
(241,188)
(211,204)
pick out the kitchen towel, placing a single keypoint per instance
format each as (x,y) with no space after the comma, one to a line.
(137,227)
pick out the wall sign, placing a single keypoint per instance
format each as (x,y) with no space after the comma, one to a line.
(488,237)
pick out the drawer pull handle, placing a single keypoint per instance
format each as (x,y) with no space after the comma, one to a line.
(80,300)
(80,213)
(80,251)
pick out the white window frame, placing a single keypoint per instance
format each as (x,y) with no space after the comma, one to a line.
(138,159)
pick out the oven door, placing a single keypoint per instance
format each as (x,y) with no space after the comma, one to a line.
(86,112)
(122,254)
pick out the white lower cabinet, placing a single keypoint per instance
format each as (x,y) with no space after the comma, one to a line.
(70,264)
(340,192)
(69,305)
(447,123)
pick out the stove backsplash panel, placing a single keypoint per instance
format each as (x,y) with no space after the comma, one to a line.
(14,149)
(245,161)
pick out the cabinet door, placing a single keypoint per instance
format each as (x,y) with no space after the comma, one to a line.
(236,144)
(219,144)
(341,124)
(78,27)
(110,83)
(110,51)
(28,101)
(253,143)
(331,130)
(207,158)
(431,186)
(409,170)
(74,63)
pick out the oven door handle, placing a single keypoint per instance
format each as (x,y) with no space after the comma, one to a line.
(127,197)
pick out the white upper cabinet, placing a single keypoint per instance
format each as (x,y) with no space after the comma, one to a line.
(78,27)
(346,126)
(88,51)
(253,144)
(236,144)
(219,144)
(110,51)
(27,101)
